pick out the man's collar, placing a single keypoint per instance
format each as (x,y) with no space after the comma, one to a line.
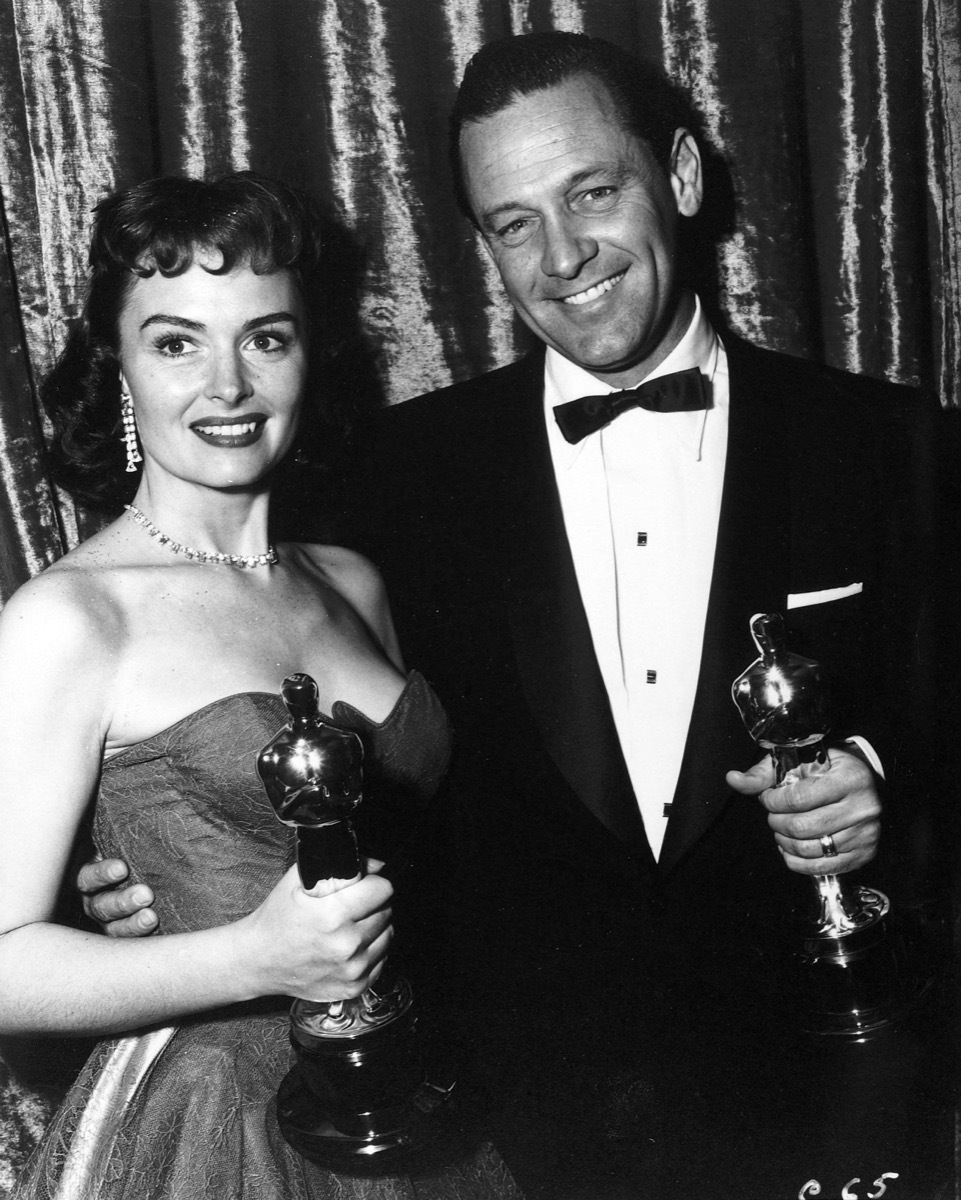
(699,347)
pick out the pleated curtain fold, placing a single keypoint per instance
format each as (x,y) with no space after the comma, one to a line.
(839,126)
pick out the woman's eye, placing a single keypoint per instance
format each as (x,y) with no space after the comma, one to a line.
(173,346)
(268,341)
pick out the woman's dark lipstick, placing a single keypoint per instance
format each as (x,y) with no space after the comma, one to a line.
(231,432)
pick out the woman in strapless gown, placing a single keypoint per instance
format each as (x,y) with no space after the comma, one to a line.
(143,672)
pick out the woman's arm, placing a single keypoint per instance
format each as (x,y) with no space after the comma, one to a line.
(59,980)
(60,645)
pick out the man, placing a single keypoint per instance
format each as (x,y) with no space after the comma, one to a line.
(580,596)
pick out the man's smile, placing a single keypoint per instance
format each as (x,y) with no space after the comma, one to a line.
(595,290)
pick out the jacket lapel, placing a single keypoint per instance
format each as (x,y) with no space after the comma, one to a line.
(552,644)
(750,569)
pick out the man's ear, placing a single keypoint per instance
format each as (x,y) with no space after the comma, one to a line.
(687,181)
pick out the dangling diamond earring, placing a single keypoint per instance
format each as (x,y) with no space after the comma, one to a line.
(129,437)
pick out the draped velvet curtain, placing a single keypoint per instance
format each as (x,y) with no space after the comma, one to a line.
(839,122)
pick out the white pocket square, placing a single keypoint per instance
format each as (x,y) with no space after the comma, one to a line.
(803,599)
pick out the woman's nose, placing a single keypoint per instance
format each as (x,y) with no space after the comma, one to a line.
(227,379)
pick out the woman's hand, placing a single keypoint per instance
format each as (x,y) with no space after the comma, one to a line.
(317,947)
(307,945)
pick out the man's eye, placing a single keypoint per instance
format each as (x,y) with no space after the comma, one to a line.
(602,193)
(515,231)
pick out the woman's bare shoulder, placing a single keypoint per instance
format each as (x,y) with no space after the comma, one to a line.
(349,572)
(75,602)
(358,581)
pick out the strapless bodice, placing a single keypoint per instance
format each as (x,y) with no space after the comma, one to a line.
(187,811)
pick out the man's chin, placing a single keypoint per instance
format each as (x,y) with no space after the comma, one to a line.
(610,368)
(621,361)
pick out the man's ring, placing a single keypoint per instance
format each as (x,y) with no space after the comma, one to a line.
(828,848)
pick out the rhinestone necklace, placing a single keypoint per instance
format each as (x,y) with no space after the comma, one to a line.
(205,556)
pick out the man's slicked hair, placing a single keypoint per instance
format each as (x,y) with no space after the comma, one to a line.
(647,104)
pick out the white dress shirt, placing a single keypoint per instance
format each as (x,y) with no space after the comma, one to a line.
(641,500)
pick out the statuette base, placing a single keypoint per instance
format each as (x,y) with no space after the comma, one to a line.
(855,983)
(415,1134)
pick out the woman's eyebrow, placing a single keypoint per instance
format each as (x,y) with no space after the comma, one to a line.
(167,319)
(199,327)
(270,319)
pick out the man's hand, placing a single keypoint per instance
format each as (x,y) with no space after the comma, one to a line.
(122,911)
(841,803)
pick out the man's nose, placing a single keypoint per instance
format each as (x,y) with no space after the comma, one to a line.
(227,378)
(567,247)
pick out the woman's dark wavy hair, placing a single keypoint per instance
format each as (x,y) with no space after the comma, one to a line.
(154,226)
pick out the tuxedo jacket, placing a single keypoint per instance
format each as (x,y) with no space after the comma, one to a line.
(825,499)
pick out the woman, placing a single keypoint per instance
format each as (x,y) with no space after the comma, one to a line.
(142,670)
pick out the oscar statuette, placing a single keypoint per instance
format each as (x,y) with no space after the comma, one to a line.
(359,1099)
(853,974)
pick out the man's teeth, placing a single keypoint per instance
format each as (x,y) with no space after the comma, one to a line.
(227,430)
(593,292)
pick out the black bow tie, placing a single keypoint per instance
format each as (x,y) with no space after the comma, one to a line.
(683,391)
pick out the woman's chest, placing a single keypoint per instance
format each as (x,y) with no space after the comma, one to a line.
(179,657)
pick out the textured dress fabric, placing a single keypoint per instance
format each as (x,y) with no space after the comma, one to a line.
(187,1111)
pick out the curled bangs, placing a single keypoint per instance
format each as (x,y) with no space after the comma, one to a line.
(163,224)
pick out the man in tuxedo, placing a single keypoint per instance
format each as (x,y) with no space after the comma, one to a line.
(576,579)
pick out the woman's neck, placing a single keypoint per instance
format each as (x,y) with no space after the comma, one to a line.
(207,519)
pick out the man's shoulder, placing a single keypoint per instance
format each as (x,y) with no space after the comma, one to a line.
(472,397)
(429,450)
(816,383)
